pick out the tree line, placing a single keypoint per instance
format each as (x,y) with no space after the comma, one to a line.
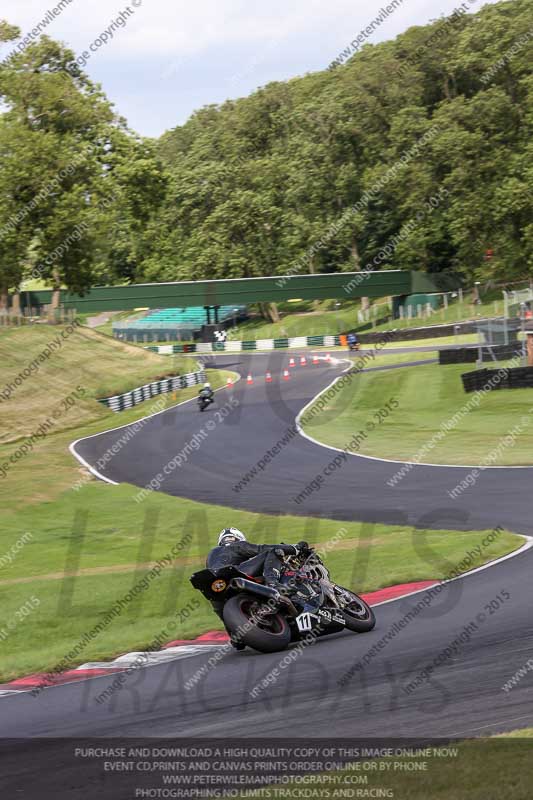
(416,153)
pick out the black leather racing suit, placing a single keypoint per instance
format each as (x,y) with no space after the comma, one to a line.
(261,558)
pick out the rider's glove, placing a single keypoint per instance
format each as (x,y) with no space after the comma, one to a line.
(303,548)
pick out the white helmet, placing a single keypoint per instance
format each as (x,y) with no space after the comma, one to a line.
(230,536)
(207,385)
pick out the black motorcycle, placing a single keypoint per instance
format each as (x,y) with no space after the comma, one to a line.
(308,604)
(205,400)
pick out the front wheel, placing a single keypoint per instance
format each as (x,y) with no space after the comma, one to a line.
(252,623)
(358,616)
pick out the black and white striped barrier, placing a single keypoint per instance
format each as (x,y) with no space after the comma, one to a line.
(120,402)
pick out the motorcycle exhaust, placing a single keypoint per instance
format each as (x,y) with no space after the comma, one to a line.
(263,591)
(255,588)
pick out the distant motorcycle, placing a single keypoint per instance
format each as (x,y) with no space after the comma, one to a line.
(204,400)
(308,603)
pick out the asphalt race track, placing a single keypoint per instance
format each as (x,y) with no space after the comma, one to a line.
(462,698)
(265,413)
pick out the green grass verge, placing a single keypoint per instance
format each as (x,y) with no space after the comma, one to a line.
(308,323)
(386,358)
(437,341)
(427,397)
(105,532)
(85,358)
(84,540)
(326,321)
(480,769)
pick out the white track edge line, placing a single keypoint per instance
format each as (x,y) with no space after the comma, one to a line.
(97,474)
(526,546)
(413,464)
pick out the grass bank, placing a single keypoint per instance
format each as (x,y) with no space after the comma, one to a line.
(480,769)
(72,546)
(428,396)
(42,365)
(88,548)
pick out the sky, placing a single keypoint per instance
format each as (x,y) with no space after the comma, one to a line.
(166,58)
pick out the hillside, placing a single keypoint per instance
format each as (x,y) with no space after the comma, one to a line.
(416,153)
(57,361)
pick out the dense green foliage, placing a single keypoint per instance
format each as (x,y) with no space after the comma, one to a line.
(257,182)
(76,186)
(416,153)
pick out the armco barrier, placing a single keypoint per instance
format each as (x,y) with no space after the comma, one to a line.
(328,340)
(232,346)
(491,379)
(120,402)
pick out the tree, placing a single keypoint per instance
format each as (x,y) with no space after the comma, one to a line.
(87,186)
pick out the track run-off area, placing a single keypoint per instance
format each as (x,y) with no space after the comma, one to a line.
(254,457)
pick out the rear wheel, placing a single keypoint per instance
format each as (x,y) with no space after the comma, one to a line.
(252,623)
(357,614)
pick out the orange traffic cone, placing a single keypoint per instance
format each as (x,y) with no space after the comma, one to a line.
(249,379)
(268,377)
(303,361)
(292,362)
(286,374)
(315,359)
(229,383)
(328,357)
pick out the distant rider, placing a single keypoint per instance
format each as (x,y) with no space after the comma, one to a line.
(206,391)
(353,341)
(206,396)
